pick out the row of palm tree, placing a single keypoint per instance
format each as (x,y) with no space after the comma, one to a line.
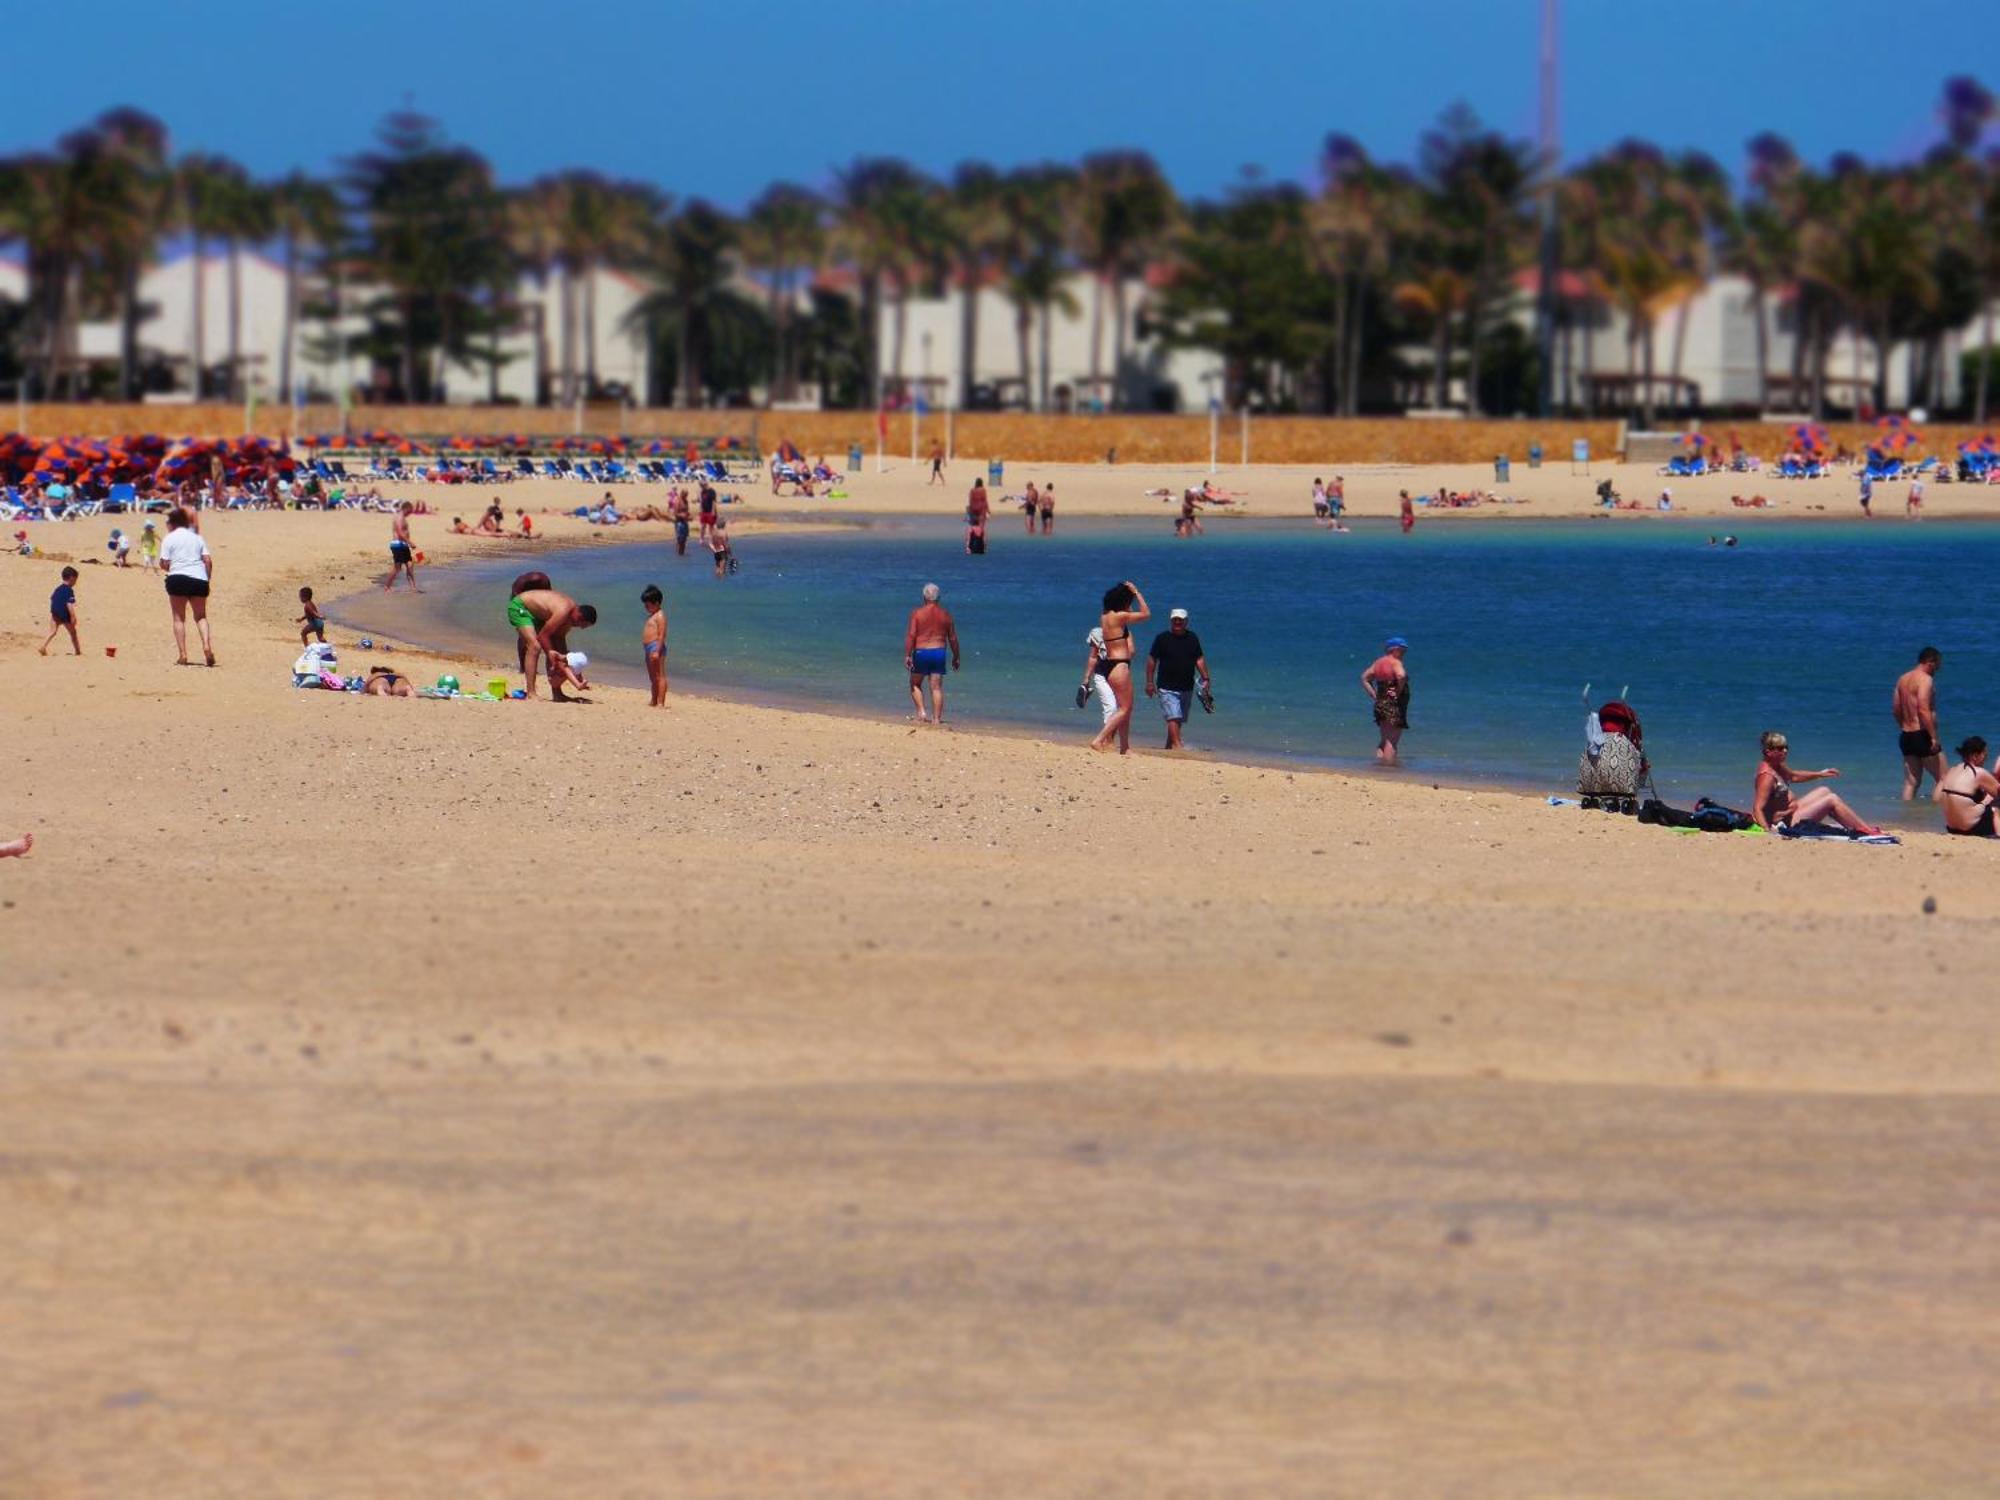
(1310,298)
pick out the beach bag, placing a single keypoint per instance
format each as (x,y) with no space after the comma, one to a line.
(1713,817)
(1614,770)
(316,658)
(1705,816)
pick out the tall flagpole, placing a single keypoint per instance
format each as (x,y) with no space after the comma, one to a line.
(1550,151)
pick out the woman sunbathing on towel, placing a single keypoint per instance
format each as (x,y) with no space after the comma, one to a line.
(1775,806)
(386,682)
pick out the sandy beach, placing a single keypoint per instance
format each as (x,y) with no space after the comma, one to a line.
(411,1099)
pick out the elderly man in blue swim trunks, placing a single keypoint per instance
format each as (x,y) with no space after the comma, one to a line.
(931,634)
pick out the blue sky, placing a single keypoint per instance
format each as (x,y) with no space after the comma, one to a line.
(718,99)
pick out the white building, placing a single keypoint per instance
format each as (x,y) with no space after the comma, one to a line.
(1053,371)
(1704,351)
(603,301)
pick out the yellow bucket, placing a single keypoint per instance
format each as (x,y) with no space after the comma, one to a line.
(497,687)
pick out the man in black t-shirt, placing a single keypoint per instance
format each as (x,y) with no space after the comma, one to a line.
(1173,668)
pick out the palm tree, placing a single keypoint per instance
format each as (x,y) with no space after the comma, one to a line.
(531,217)
(1439,296)
(784,236)
(430,241)
(1967,108)
(1815,202)
(688,258)
(1988,271)
(1580,227)
(1480,184)
(42,205)
(121,161)
(978,228)
(1124,209)
(1703,212)
(206,187)
(307,214)
(248,218)
(597,223)
(1642,249)
(1351,226)
(1761,243)
(1035,213)
(1873,256)
(878,207)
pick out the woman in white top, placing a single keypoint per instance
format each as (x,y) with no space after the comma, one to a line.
(184,556)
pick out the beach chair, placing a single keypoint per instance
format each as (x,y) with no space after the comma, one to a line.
(123,497)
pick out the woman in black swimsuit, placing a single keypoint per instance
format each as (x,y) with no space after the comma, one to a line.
(1124,606)
(1968,793)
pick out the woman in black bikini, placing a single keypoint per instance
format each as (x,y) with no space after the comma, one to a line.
(1969,792)
(1124,606)
(387,682)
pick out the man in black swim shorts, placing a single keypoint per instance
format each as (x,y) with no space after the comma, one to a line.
(1914,704)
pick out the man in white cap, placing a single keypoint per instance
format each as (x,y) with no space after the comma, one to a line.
(1177,672)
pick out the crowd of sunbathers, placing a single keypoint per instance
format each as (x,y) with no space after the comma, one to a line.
(1449,499)
(790,473)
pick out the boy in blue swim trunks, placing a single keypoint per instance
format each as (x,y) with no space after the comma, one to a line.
(929,636)
(653,640)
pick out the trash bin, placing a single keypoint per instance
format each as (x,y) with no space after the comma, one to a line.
(854,458)
(1501,468)
(1534,455)
(994,470)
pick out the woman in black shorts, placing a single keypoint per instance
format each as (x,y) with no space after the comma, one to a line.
(184,558)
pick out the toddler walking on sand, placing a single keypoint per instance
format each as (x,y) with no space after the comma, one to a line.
(653,640)
(62,612)
(312,622)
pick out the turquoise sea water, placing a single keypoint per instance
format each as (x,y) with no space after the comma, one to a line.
(1802,627)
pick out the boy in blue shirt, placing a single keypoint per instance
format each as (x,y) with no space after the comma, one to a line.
(62,612)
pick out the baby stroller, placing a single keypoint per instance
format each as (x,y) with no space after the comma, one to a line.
(1613,765)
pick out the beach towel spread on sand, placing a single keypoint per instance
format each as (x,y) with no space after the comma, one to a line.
(1833,835)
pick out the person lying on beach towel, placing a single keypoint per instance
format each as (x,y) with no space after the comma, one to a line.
(386,682)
